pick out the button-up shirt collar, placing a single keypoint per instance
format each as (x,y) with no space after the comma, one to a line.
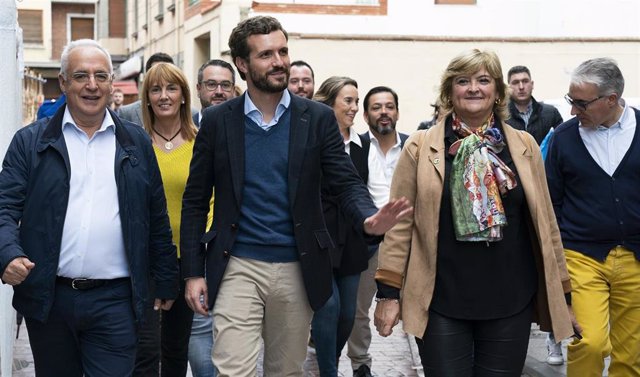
(251,111)
(608,145)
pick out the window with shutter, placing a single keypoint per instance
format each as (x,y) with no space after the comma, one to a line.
(30,20)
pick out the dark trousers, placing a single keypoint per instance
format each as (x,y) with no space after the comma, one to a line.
(90,333)
(165,336)
(479,348)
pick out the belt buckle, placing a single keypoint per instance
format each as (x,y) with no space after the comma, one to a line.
(73,283)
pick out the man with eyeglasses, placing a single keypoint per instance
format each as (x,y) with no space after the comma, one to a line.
(216,81)
(301,79)
(593,167)
(84,227)
(528,114)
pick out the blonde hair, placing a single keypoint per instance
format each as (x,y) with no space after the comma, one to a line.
(468,63)
(168,73)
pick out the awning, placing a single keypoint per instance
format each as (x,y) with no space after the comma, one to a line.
(127,87)
(129,67)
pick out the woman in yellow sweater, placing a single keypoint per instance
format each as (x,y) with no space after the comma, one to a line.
(166,116)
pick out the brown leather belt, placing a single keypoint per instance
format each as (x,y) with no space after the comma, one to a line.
(85,284)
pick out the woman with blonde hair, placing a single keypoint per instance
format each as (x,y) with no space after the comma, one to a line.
(166,115)
(481,257)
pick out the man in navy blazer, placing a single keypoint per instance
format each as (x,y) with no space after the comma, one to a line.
(265,257)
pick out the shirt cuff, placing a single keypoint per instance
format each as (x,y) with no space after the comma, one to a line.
(387,291)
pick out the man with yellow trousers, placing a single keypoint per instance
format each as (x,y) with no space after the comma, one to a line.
(593,170)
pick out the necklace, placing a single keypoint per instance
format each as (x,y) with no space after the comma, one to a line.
(168,145)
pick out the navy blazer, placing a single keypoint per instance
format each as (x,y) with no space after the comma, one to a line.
(316,152)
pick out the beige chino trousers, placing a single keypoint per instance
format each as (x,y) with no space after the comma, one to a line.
(261,300)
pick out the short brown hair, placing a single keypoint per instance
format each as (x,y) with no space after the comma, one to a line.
(468,63)
(251,26)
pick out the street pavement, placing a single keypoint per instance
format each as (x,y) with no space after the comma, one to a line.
(536,365)
(394,356)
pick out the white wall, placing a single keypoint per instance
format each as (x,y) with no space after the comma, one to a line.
(410,47)
(10,108)
(488,18)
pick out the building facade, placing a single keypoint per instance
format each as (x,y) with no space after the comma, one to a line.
(404,44)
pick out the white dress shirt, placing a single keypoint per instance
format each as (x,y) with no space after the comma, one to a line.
(92,241)
(608,145)
(381,168)
(353,138)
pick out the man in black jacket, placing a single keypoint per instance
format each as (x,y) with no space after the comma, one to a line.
(266,258)
(526,113)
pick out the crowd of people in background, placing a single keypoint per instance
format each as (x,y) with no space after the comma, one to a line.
(263,220)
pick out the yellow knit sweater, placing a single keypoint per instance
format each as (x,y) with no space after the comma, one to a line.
(174,168)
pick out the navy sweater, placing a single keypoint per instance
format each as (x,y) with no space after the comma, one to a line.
(595,211)
(266,227)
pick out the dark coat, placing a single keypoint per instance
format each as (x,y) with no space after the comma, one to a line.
(34,193)
(350,254)
(316,152)
(543,117)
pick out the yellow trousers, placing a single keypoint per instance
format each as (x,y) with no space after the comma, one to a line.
(606,301)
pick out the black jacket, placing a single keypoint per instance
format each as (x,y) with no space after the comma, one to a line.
(543,117)
(316,152)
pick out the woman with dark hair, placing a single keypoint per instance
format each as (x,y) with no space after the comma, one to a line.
(481,258)
(332,324)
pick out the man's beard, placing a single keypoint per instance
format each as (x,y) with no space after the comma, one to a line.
(263,83)
(384,130)
(303,93)
(209,102)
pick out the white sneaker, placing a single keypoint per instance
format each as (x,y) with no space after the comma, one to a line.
(555,352)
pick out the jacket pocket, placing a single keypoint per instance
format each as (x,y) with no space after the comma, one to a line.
(324,239)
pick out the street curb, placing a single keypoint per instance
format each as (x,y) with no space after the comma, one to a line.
(536,368)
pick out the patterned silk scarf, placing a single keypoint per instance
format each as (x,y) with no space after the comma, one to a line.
(478,180)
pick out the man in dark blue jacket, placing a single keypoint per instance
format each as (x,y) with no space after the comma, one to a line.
(593,171)
(84,227)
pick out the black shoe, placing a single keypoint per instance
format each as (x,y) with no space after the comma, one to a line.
(362,371)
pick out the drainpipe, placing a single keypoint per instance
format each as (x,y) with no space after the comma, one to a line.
(11,120)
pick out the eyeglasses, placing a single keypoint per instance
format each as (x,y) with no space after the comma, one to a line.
(580,104)
(83,77)
(212,85)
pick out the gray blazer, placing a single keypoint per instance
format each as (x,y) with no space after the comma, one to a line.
(132,112)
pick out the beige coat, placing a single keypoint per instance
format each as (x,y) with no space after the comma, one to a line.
(407,257)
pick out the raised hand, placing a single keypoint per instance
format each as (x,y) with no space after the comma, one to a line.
(388,216)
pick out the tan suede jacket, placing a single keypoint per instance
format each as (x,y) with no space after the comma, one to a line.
(407,256)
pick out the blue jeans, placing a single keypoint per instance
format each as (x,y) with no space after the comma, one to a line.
(200,346)
(332,324)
